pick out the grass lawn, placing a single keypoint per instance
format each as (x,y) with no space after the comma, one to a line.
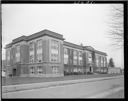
(28,80)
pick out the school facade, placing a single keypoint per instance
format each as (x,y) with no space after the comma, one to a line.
(46,54)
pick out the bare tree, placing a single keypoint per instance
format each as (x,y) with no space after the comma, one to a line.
(116,25)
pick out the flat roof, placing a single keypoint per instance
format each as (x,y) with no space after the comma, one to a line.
(99,52)
(21,38)
(89,48)
(55,35)
(36,35)
(73,45)
(45,32)
(8,45)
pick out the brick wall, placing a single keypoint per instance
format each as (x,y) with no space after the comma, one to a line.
(24,54)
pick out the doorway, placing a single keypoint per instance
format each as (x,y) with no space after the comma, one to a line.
(14,72)
(91,69)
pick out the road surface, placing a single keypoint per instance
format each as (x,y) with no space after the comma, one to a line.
(79,90)
(119,94)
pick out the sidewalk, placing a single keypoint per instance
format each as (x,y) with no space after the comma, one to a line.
(29,80)
(13,88)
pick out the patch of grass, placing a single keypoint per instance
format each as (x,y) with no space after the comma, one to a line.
(27,80)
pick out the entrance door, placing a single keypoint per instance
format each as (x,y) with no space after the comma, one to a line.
(91,69)
(14,72)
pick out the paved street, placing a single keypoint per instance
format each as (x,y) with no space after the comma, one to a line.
(79,90)
(119,94)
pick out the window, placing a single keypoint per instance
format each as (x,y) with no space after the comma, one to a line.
(39,51)
(39,69)
(31,59)
(54,51)
(39,57)
(101,61)
(31,52)
(65,51)
(17,49)
(80,54)
(104,62)
(65,56)
(39,44)
(97,60)
(75,53)
(89,57)
(65,60)
(32,71)
(71,61)
(80,58)
(8,56)
(55,69)
(70,52)
(31,46)
(75,70)
(75,57)
(17,53)
(79,70)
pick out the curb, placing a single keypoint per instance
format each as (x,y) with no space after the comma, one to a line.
(14,88)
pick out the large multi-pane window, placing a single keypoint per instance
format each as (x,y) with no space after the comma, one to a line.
(54,51)
(89,57)
(39,69)
(39,44)
(65,56)
(70,55)
(31,52)
(75,70)
(101,61)
(97,60)
(55,69)
(39,51)
(104,62)
(17,53)
(80,58)
(75,57)
(8,56)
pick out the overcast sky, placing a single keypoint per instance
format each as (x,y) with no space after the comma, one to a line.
(78,23)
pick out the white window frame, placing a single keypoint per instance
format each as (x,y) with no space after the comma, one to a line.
(66,57)
(17,54)
(97,60)
(39,51)
(54,51)
(102,61)
(89,57)
(80,57)
(8,56)
(39,70)
(75,57)
(55,69)
(31,52)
